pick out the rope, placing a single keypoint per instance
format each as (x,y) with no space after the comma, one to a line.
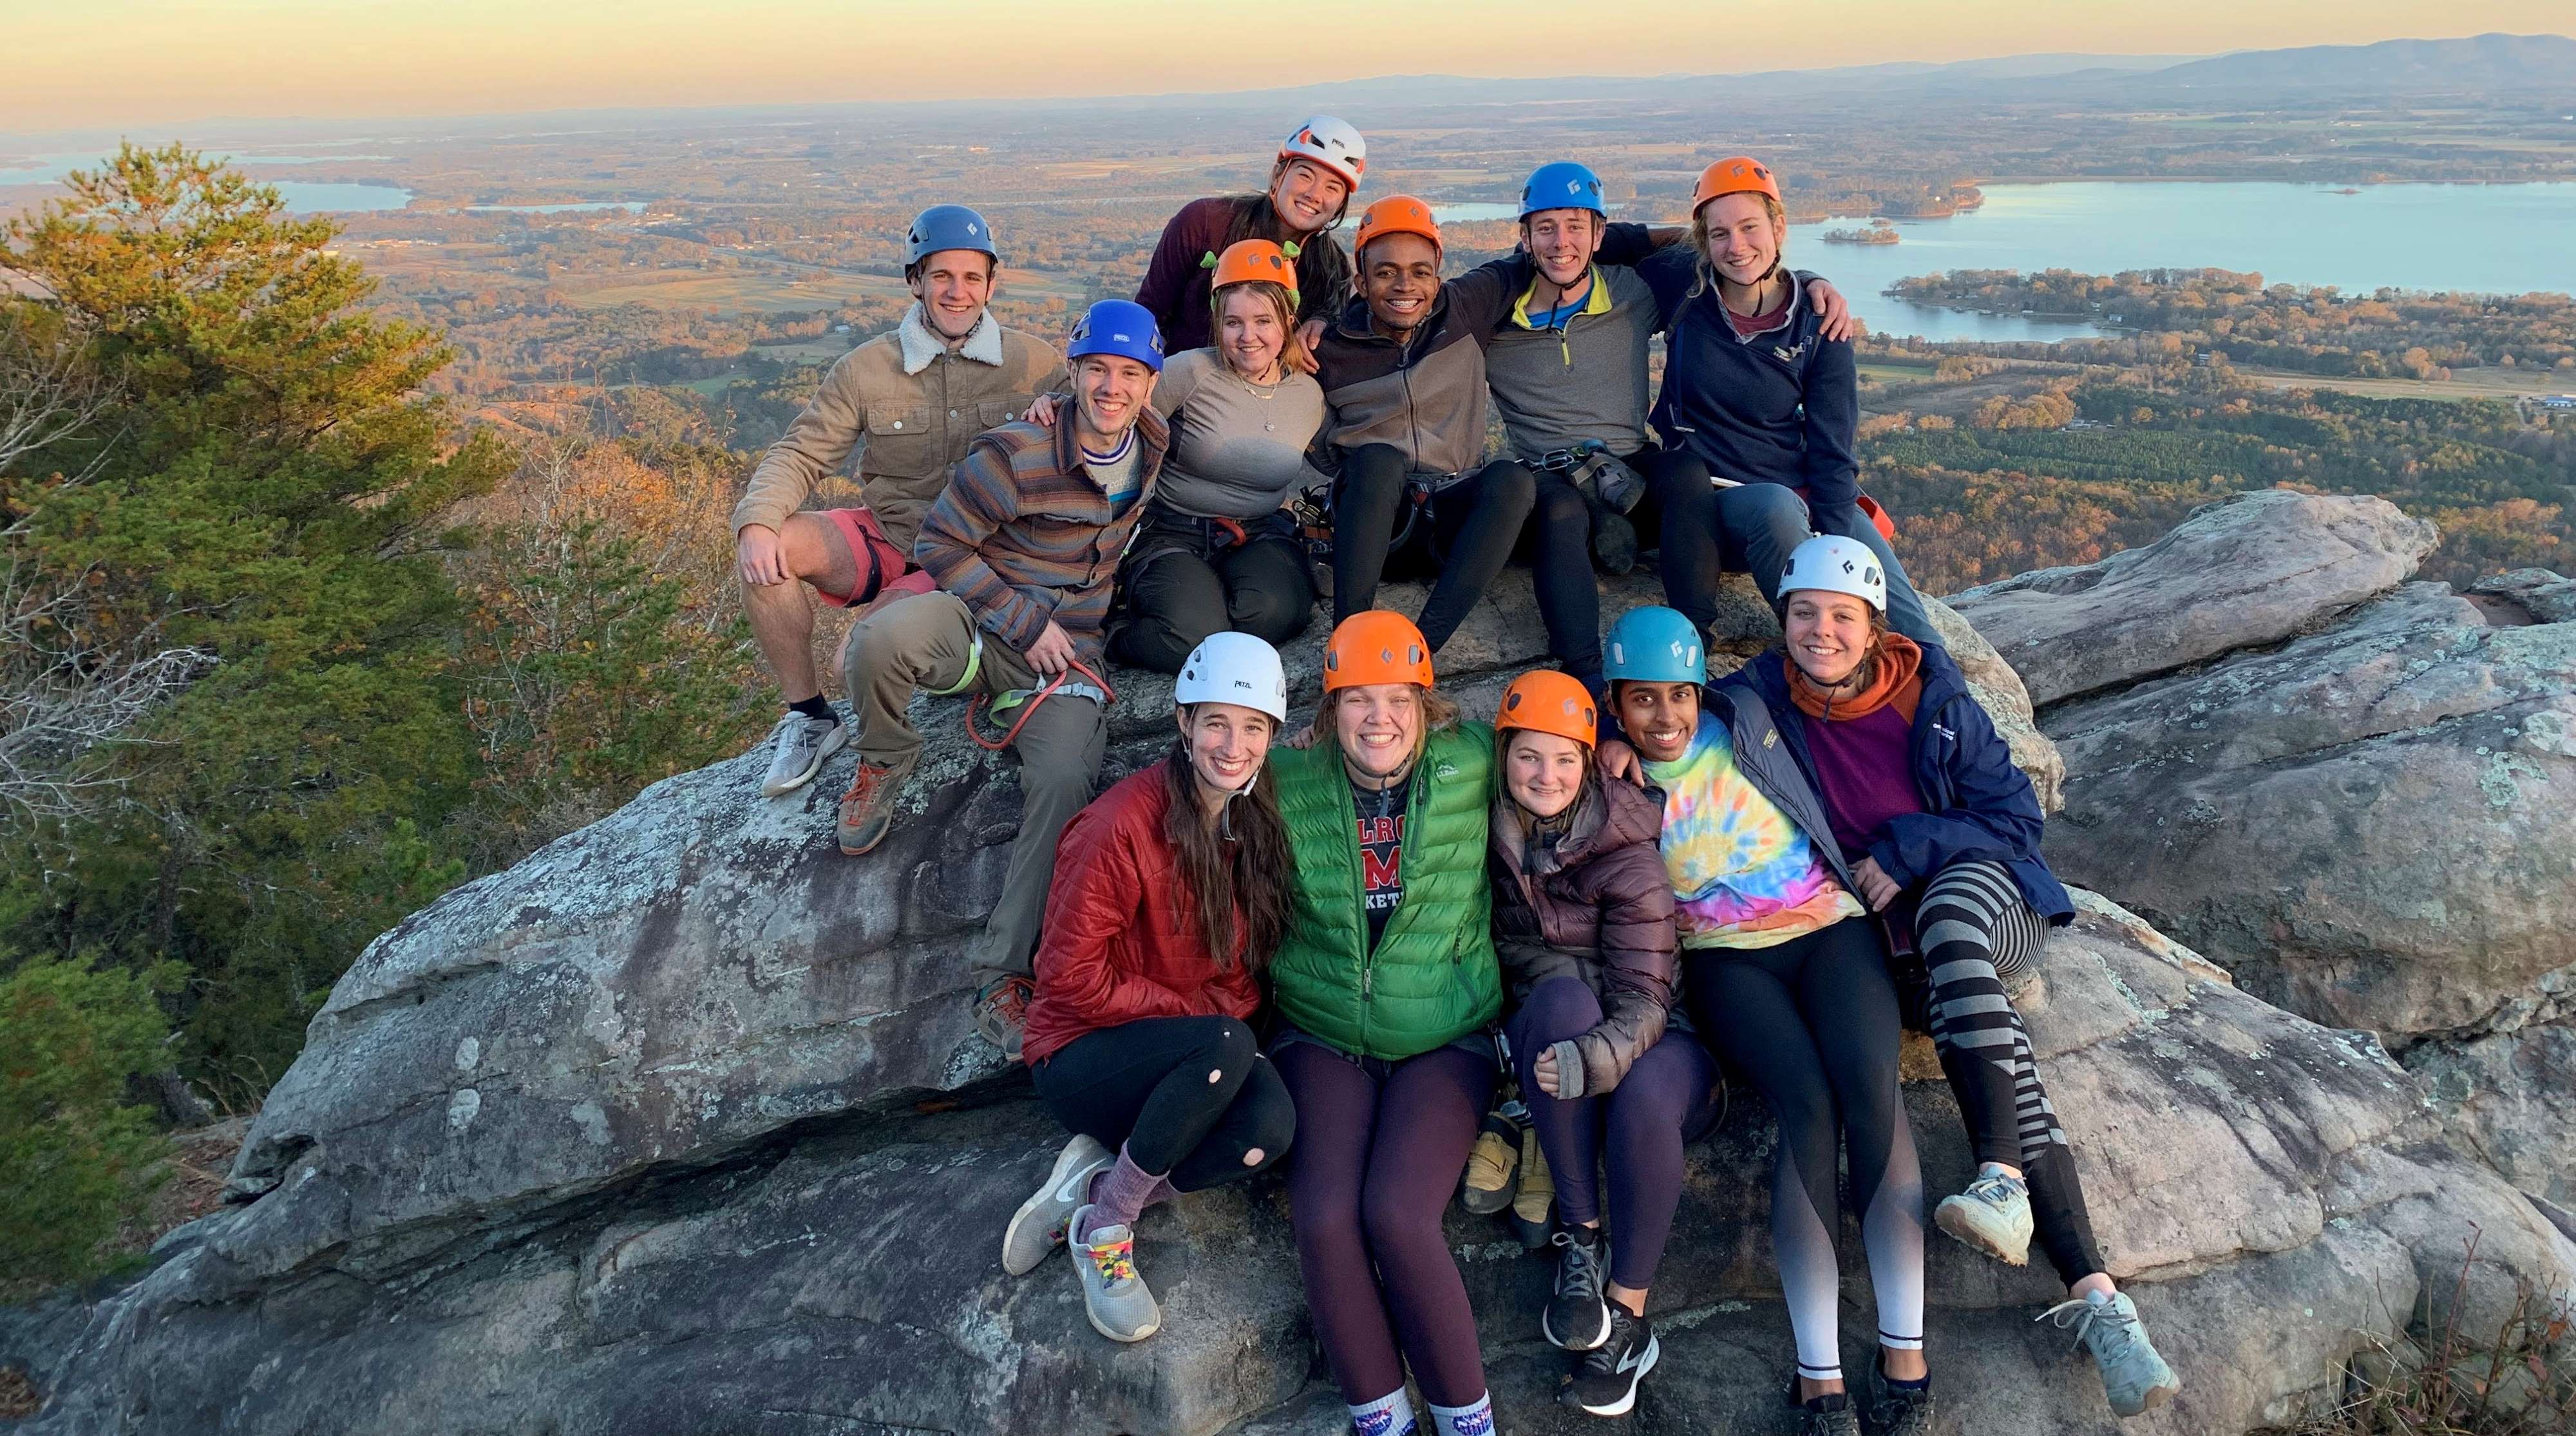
(1098,690)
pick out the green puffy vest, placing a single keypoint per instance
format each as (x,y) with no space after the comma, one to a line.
(1433,978)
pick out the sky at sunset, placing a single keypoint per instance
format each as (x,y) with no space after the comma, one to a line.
(113,63)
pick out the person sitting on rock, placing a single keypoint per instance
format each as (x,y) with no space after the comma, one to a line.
(1311,182)
(909,402)
(1787,989)
(1944,831)
(1023,543)
(1386,991)
(1170,893)
(1583,919)
(1567,368)
(1758,394)
(1219,548)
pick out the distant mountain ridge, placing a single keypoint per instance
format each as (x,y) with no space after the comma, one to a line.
(2478,62)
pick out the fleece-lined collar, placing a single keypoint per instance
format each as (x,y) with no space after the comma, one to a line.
(921,345)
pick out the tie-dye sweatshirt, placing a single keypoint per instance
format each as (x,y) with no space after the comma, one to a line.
(1742,873)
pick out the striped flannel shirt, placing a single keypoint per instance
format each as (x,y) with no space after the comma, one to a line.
(1023,534)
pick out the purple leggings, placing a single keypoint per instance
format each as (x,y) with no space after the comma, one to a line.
(1670,1091)
(1380,1146)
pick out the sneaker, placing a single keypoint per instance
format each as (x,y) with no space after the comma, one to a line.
(2134,1377)
(1002,1010)
(1039,1223)
(867,809)
(1826,1415)
(1535,1197)
(1113,1295)
(1604,1383)
(802,745)
(1492,1164)
(1898,1410)
(1577,1318)
(1993,1216)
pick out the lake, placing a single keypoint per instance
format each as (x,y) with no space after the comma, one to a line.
(301,196)
(2502,239)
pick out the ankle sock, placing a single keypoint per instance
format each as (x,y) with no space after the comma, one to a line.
(1474,1419)
(1120,1193)
(1389,1415)
(817,708)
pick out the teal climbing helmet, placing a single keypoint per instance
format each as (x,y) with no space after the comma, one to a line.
(1653,645)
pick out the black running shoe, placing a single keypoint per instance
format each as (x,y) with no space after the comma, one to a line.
(1898,1410)
(1604,1383)
(1577,1318)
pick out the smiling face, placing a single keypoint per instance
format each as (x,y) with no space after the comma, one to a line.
(1110,390)
(1828,634)
(953,286)
(1307,195)
(1251,332)
(1227,744)
(1743,242)
(1400,276)
(1562,242)
(1659,718)
(1379,728)
(1544,771)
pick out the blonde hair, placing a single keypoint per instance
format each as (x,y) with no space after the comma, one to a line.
(1439,713)
(1292,354)
(1704,274)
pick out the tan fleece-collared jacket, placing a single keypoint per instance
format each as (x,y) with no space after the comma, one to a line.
(910,405)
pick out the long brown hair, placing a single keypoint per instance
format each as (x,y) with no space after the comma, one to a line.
(1323,270)
(1292,355)
(1238,868)
(1704,274)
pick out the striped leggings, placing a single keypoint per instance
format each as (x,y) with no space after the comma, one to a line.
(1972,930)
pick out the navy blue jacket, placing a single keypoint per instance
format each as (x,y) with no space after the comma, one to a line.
(1779,408)
(1977,806)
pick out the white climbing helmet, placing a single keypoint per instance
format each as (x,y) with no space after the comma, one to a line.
(1331,143)
(1234,668)
(1831,563)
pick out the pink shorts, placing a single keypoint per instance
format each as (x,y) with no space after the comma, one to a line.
(884,571)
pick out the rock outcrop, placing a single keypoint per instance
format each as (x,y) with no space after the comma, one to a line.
(679,1127)
(2249,570)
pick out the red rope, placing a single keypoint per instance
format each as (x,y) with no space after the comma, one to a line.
(1028,709)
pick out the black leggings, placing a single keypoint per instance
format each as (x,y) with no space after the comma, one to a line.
(1175,598)
(1971,930)
(1557,545)
(1669,1094)
(1813,1023)
(1380,1148)
(1464,533)
(1188,1097)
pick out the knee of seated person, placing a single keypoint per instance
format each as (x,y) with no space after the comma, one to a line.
(1774,506)
(1559,1008)
(1375,464)
(1268,614)
(1508,483)
(1561,503)
(1231,1047)
(1395,1214)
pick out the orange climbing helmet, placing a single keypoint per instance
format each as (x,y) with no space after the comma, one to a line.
(1396,214)
(1546,701)
(1741,174)
(1256,261)
(1376,646)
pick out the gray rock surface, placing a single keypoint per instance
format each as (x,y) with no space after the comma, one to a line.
(2373,825)
(2253,569)
(2272,1191)
(2510,1098)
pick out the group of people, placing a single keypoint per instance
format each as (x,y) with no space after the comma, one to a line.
(1332,949)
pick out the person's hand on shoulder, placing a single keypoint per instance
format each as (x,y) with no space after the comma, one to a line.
(1041,411)
(1833,309)
(1615,759)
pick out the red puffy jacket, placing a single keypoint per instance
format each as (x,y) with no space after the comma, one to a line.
(1122,939)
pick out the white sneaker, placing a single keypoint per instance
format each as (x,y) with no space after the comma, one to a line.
(1993,1216)
(1039,1223)
(1120,1305)
(803,744)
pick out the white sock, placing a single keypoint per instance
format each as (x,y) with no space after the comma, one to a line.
(1474,1419)
(1389,1415)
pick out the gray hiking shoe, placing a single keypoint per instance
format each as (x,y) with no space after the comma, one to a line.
(802,745)
(1993,1216)
(2134,1377)
(1039,1223)
(1113,1295)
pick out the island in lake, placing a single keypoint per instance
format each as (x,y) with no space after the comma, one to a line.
(1879,232)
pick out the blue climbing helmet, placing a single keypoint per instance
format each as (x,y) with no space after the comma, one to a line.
(1122,327)
(946,226)
(1653,645)
(1562,185)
